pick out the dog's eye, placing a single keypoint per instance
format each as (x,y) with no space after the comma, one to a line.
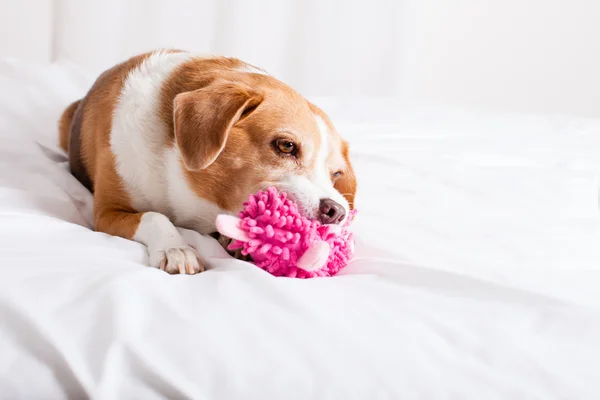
(336,175)
(285,146)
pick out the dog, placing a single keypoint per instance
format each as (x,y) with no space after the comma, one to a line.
(169,138)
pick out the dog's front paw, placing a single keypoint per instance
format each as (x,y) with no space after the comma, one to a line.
(178,260)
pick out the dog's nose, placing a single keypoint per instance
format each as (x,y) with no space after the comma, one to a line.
(331,212)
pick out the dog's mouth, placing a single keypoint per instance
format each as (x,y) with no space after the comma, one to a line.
(224,241)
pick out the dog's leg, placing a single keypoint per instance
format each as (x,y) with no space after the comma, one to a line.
(166,248)
(114,215)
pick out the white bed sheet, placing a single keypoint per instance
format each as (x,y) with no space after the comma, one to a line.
(477,272)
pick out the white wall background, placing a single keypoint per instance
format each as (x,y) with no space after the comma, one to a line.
(520,55)
(526,55)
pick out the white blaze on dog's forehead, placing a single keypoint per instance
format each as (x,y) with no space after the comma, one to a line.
(318,184)
(323,151)
(322,172)
(330,157)
(310,188)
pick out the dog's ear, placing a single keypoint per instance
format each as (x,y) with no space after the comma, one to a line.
(203,118)
(346,184)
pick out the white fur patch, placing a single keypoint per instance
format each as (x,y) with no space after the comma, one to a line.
(321,173)
(187,208)
(138,135)
(308,190)
(166,248)
(150,169)
(158,233)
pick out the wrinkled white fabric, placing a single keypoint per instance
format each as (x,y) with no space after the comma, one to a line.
(477,272)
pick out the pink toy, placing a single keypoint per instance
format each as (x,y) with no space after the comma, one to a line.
(281,241)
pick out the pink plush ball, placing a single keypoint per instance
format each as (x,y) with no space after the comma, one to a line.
(278,236)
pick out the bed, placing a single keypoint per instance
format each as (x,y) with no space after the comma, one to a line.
(477,270)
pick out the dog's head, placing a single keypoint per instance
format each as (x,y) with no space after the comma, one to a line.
(245,131)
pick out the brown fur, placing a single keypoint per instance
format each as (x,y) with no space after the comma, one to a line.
(89,140)
(209,109)
(203,119)
(78,168)
(64,125)
(346,184)
(243,166)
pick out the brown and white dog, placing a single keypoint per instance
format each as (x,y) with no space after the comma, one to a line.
(169,139)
